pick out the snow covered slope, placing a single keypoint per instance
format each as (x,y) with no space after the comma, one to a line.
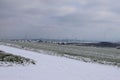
(56,68)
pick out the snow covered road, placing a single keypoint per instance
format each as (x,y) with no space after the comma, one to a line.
(55,68)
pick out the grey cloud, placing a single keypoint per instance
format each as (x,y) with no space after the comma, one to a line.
(82,19)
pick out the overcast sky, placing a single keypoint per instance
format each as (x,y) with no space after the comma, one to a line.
(60,19)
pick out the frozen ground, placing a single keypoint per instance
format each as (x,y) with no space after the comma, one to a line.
(56,68)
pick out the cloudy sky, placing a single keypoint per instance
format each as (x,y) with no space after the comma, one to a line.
(60,19)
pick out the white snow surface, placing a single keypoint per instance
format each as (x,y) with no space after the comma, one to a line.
(55,68)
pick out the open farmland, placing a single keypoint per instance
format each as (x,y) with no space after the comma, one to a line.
(109,56)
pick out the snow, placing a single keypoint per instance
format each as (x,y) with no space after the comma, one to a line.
(55,68)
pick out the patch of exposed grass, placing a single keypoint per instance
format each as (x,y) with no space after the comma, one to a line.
(14,59)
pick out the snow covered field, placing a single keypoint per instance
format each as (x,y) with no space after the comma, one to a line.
(55,68)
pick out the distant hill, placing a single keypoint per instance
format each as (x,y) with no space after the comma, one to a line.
(99,44)
(102,44)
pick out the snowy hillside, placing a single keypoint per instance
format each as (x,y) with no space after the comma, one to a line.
(55,68)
